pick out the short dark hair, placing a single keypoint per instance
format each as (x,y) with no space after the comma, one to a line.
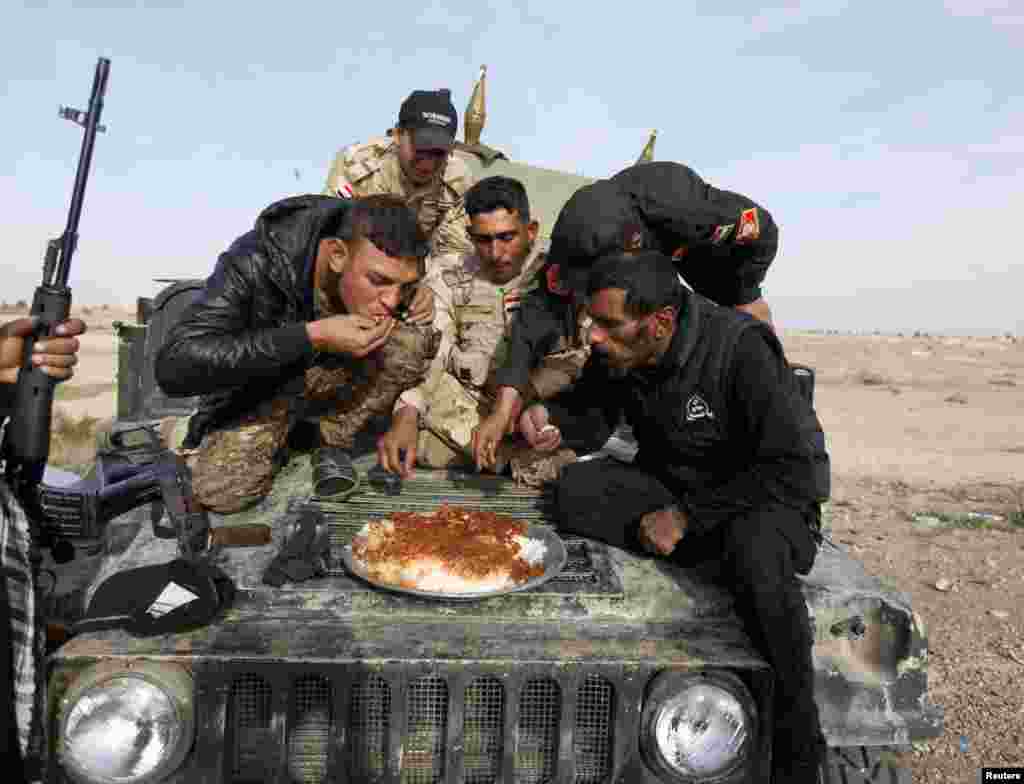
(496,193)
(386,221)
(649,279)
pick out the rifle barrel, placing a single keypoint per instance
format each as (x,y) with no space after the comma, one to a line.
(70,238)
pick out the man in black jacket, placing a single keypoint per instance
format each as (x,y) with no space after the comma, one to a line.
(731,464)
(721,242)
(298,321)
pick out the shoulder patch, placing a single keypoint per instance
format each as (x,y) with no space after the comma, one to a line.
(750,226)
(721,233)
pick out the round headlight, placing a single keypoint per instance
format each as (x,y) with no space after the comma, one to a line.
(126,723)
(699,727)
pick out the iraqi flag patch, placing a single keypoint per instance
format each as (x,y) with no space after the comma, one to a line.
(344,190)
(510,300)
(750,226)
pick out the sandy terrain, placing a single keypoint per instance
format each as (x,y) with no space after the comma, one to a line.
(91,391)
(917,426)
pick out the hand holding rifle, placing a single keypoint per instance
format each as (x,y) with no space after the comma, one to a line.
(55,356)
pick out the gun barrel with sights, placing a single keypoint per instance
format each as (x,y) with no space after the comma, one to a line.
(26,446)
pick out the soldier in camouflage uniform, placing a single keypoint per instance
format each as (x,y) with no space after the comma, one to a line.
(414,161)
(477,297)
(297,322)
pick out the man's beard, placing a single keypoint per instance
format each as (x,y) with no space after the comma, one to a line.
(637,353)
(603,360)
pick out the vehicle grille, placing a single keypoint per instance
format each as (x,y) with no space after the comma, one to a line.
(428,726)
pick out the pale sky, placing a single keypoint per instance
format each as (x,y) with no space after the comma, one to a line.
(886,138)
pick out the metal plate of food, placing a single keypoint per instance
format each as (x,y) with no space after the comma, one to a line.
(554,558)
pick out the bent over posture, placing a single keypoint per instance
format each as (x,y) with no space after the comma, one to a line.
(297,322)
(731,464)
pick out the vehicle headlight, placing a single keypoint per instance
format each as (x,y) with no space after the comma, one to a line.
(126,723)
(699,727)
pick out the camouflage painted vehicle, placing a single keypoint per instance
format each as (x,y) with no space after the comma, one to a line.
(624,668)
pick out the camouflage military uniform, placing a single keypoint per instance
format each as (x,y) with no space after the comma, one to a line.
(373,167)
(475,314)
(234,467)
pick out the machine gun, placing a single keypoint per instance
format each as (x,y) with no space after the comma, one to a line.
(136,469)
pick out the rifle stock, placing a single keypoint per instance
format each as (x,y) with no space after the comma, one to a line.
(84,509)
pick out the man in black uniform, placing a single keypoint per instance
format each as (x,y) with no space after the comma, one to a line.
(721,243)
(731,464)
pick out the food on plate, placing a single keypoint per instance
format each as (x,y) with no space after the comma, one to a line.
(453,550)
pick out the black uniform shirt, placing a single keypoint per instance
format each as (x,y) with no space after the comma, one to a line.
(541,320)
(679,208)
(765,456)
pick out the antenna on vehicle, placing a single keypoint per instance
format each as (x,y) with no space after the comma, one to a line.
(476,110)
(648,152)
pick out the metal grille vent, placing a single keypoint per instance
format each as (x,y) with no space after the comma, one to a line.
(540,706)
(250,722)
(370,724)
(424,755)
(393,724)
(592,743)
(309,737)
(483,730)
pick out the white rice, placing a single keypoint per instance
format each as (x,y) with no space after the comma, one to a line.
(432,576)
(531,550)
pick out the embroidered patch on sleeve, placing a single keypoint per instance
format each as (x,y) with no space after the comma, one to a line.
(750,226)
(510,300)
(698,408)
(344,190)
(721,233)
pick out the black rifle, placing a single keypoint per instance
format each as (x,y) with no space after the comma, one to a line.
(26,445)
(138,469)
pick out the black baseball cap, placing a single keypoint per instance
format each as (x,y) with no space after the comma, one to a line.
(597,220)
(431,117)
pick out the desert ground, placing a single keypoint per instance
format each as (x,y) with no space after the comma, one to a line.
(926,435)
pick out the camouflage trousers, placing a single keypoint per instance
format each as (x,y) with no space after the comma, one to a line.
(447,434)
(234,467)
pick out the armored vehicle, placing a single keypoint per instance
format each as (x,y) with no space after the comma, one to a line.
(623,668)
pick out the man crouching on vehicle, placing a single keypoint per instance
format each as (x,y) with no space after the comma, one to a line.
(731,464)
(299,320)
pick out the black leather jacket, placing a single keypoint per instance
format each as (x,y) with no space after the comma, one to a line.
(244,338)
